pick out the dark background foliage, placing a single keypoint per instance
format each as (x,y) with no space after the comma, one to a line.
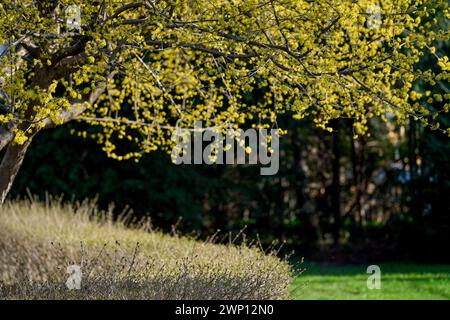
(337,198)
(334,197)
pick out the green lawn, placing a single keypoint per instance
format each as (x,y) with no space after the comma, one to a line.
(398,281)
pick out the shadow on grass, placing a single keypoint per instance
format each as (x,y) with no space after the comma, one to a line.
(360,269)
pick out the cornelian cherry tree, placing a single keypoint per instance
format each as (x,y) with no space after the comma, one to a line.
(135,71)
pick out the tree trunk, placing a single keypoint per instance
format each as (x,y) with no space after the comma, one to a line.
(10,165)
(5,136)
(335,185)
(358,177)
(415,203)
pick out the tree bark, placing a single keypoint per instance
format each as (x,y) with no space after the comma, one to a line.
(5,139)
(5,136)
(10,165)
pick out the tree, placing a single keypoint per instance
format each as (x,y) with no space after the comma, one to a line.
(135,72)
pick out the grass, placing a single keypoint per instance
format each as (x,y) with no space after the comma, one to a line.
(39,241)
(398,281)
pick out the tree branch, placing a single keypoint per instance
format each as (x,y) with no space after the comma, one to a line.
(5,137)
(79,106)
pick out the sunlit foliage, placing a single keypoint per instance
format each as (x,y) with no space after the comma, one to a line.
(136,71)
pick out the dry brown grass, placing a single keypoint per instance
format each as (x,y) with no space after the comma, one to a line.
(39,240)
